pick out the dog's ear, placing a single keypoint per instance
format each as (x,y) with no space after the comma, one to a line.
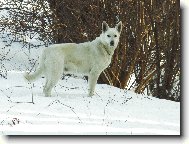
(104,26)
(119,27)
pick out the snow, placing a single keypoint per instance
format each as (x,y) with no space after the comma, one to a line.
(111,111)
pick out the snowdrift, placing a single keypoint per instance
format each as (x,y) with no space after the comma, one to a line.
(111,111)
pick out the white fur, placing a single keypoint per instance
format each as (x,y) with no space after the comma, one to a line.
(89,59)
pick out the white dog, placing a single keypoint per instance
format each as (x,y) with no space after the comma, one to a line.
(88,58)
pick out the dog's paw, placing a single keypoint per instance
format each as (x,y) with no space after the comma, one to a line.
(90,94)
(47,93)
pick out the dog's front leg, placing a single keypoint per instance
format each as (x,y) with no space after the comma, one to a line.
(93,77)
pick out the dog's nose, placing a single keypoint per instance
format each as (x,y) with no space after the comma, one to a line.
(112,43)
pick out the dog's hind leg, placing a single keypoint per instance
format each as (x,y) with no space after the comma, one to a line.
(53,74)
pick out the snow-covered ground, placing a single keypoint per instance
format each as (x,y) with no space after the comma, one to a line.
(111,111)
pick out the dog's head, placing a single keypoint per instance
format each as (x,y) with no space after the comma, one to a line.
(110,36)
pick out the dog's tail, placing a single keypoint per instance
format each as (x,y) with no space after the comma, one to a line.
(39,71)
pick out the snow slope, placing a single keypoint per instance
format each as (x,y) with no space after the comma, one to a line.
(111,111)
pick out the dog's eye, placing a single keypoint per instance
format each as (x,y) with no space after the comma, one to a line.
(108,35)
(115,35)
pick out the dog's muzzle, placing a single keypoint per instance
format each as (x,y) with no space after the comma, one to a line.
(112,43)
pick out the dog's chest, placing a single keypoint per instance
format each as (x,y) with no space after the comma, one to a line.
(102,62)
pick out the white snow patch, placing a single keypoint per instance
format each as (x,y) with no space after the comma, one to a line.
(111,111)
